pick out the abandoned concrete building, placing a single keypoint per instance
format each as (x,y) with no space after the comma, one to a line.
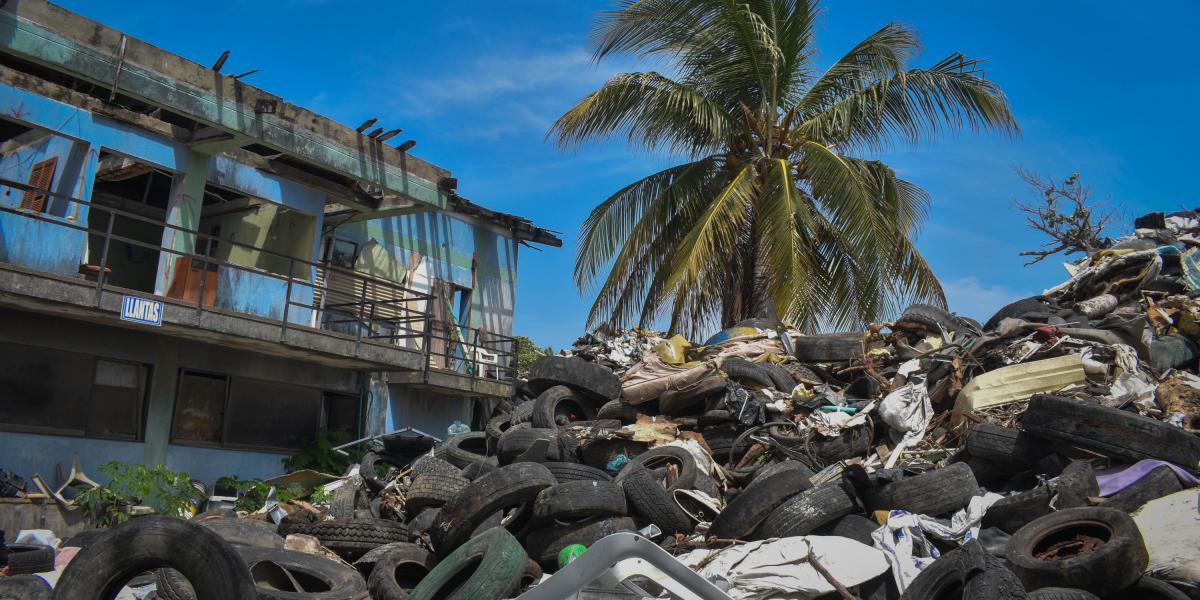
(197,273)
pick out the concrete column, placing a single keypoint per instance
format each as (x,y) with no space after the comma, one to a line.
(161,404)
(183,210)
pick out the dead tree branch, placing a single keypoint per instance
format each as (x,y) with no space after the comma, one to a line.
(1065,213)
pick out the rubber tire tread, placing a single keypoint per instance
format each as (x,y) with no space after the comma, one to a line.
(583,376)
(617,409)
(209,563)
(650,500)
(503,488)
(748,509)
(779,376)
(350,538)
(343,581)
(1110,430)
(932,493)
(27,559)
(515,442)
(928,317)
(433,491)
(1113,566)
(575,499)
(460,458)
(382,583)
(501,562)
(1162,481)
(806,511)
(544,406)
(566,471)
(24,587)
(1005,445)
(689,472)
(1059,593)
(366,469)
(522,413)
(1014,512)
(744,371)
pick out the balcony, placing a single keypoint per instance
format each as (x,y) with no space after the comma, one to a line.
(312,311)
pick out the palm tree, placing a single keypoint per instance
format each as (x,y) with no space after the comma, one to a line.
(775,203)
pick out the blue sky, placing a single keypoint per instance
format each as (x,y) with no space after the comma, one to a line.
(1096,87)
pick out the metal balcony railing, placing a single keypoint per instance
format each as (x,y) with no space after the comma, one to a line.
(472,352)
(333,298)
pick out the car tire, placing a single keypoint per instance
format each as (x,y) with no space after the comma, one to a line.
(335,580)
(467,449)
(619,410)
(938,492)
(490,565)
(505,488)
(1114,565)
(1005,445)
(968,573)
(27,559)
(589,378)
(746,372)
(748,509)
(245,532)
(370,475)
(1076,485)
(565,471)
(1014,512)
(689,473)
(577,499)
(855,527)
(550,406)
(210,564)
(1160,482)
(433,491)
(397,570)
(648,498)
(1110,431)
(806,511)
(928,318)
(1058,593)
(24,587)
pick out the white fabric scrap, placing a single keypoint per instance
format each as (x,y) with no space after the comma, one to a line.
(903,539)
(907,410)
(1141,392)
(779,568)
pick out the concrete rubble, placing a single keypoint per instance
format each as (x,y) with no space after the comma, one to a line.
(1004,459)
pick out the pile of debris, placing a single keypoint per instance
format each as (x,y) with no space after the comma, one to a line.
(1046,453)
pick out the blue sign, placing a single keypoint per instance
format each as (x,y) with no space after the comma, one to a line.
(141,310)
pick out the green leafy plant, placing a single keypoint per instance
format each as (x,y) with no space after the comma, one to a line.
(319,496)
(527,352)
(252,493)
(167,492)
(322,457)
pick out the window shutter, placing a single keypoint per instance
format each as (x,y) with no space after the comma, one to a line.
(40,177)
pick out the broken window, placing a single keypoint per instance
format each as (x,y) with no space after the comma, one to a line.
(135,188)
(50,391)
(272,415)
(239,412)
(200,407)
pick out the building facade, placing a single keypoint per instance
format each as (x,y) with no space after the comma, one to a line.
(197,273)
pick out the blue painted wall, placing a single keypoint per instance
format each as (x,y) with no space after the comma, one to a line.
(43,245)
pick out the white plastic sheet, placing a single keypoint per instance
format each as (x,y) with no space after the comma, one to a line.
(904,539)
(779,568)
(907,410)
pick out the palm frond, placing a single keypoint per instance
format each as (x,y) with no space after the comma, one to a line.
(652,111)
(912,106)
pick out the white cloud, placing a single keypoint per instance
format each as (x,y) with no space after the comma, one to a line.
(969,297)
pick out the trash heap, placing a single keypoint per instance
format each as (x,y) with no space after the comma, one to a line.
(1049,452)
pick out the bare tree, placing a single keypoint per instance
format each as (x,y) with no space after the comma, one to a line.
(1065,214)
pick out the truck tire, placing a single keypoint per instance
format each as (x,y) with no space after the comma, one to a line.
(432,491)
(350,538)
